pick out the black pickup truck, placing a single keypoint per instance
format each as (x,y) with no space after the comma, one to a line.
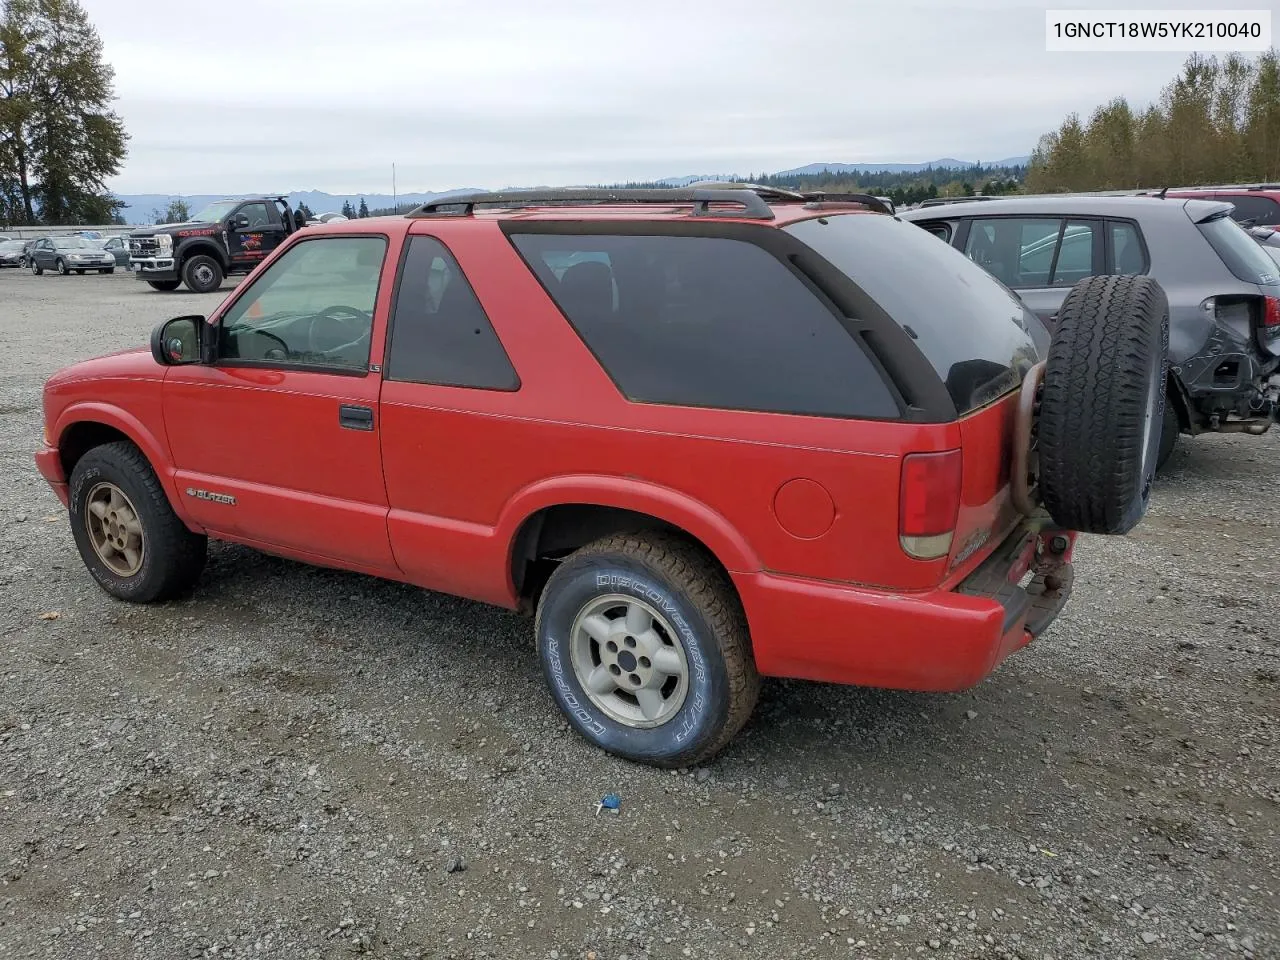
(226,237)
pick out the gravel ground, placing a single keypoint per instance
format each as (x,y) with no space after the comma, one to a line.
(303,763)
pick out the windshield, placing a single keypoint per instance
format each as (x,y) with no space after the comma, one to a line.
(7,245)
(215,211)
(976,333)
(1240,252)
(72,243)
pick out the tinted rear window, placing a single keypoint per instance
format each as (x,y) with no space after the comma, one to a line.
(976,333)
(707,322)
(1239,251)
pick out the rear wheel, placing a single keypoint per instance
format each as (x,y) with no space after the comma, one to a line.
(202,274)
(645,648)
(1102,410)
(165,285)
(128,536)
(79,273)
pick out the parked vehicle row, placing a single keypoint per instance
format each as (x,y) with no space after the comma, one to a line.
(71,254)
(700,435)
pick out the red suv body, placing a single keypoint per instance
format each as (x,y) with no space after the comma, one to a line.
(1255,206)
(809,407)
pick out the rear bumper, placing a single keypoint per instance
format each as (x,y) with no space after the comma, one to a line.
(943,640)
(49,463)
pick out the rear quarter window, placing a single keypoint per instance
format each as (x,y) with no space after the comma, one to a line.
(1241,253)
(975,332)
(707,322)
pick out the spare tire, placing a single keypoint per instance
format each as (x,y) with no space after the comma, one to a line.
(1102,403)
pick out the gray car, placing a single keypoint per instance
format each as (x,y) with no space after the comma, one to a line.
(1223,289)
(118,247)
(11,253)
(67,254)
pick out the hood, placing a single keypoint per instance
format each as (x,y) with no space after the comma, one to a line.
(135,363)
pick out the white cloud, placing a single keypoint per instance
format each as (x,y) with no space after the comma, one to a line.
(300,94)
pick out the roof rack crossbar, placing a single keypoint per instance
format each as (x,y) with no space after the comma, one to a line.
(866,199)
(753,206)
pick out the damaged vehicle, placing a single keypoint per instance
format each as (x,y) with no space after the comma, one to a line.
(1223,289)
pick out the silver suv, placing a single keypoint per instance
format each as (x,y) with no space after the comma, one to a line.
(1223,289)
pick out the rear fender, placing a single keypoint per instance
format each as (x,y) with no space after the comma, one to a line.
(680,510)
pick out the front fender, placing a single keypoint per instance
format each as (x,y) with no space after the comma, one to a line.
(203,245)
(678,509)
(153,447)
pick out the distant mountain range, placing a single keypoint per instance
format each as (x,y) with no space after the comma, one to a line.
(140,207)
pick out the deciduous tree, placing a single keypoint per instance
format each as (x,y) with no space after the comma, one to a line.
(59,138)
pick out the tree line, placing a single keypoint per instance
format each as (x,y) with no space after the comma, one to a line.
(1218,121)
(902,187)
(59,138)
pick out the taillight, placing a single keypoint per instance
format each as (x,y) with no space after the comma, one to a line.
(929,503)
(1271,312)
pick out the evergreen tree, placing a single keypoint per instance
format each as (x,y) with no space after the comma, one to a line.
(59,139)
(347,211)
(1216,122)
(364,208)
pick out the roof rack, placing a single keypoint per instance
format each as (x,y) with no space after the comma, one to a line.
(753,205)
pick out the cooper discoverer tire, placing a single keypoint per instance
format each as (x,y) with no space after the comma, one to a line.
(1102,403)
(674,623)
(202,274)
(128,536)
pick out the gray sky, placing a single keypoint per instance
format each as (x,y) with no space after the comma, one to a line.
(326,94)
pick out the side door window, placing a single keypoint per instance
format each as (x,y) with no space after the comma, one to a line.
(312,308)
(440,333)
(1075,254)
(1031,252)
(1017,251)
(706,322)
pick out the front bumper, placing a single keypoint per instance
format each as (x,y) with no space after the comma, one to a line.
(153,268)
(941,640)
(49,463)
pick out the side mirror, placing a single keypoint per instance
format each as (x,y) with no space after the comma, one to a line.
(179,341)
(240,221)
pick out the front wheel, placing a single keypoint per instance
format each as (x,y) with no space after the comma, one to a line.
(645,648)
(108,270)
(36,269)
(202,274)
(166,286)
(129,538)
(62,267)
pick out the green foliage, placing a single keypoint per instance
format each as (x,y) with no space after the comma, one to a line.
(305,210)
(1218,121)
(177,212)
(347,210)
(364,208)
(59,139)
